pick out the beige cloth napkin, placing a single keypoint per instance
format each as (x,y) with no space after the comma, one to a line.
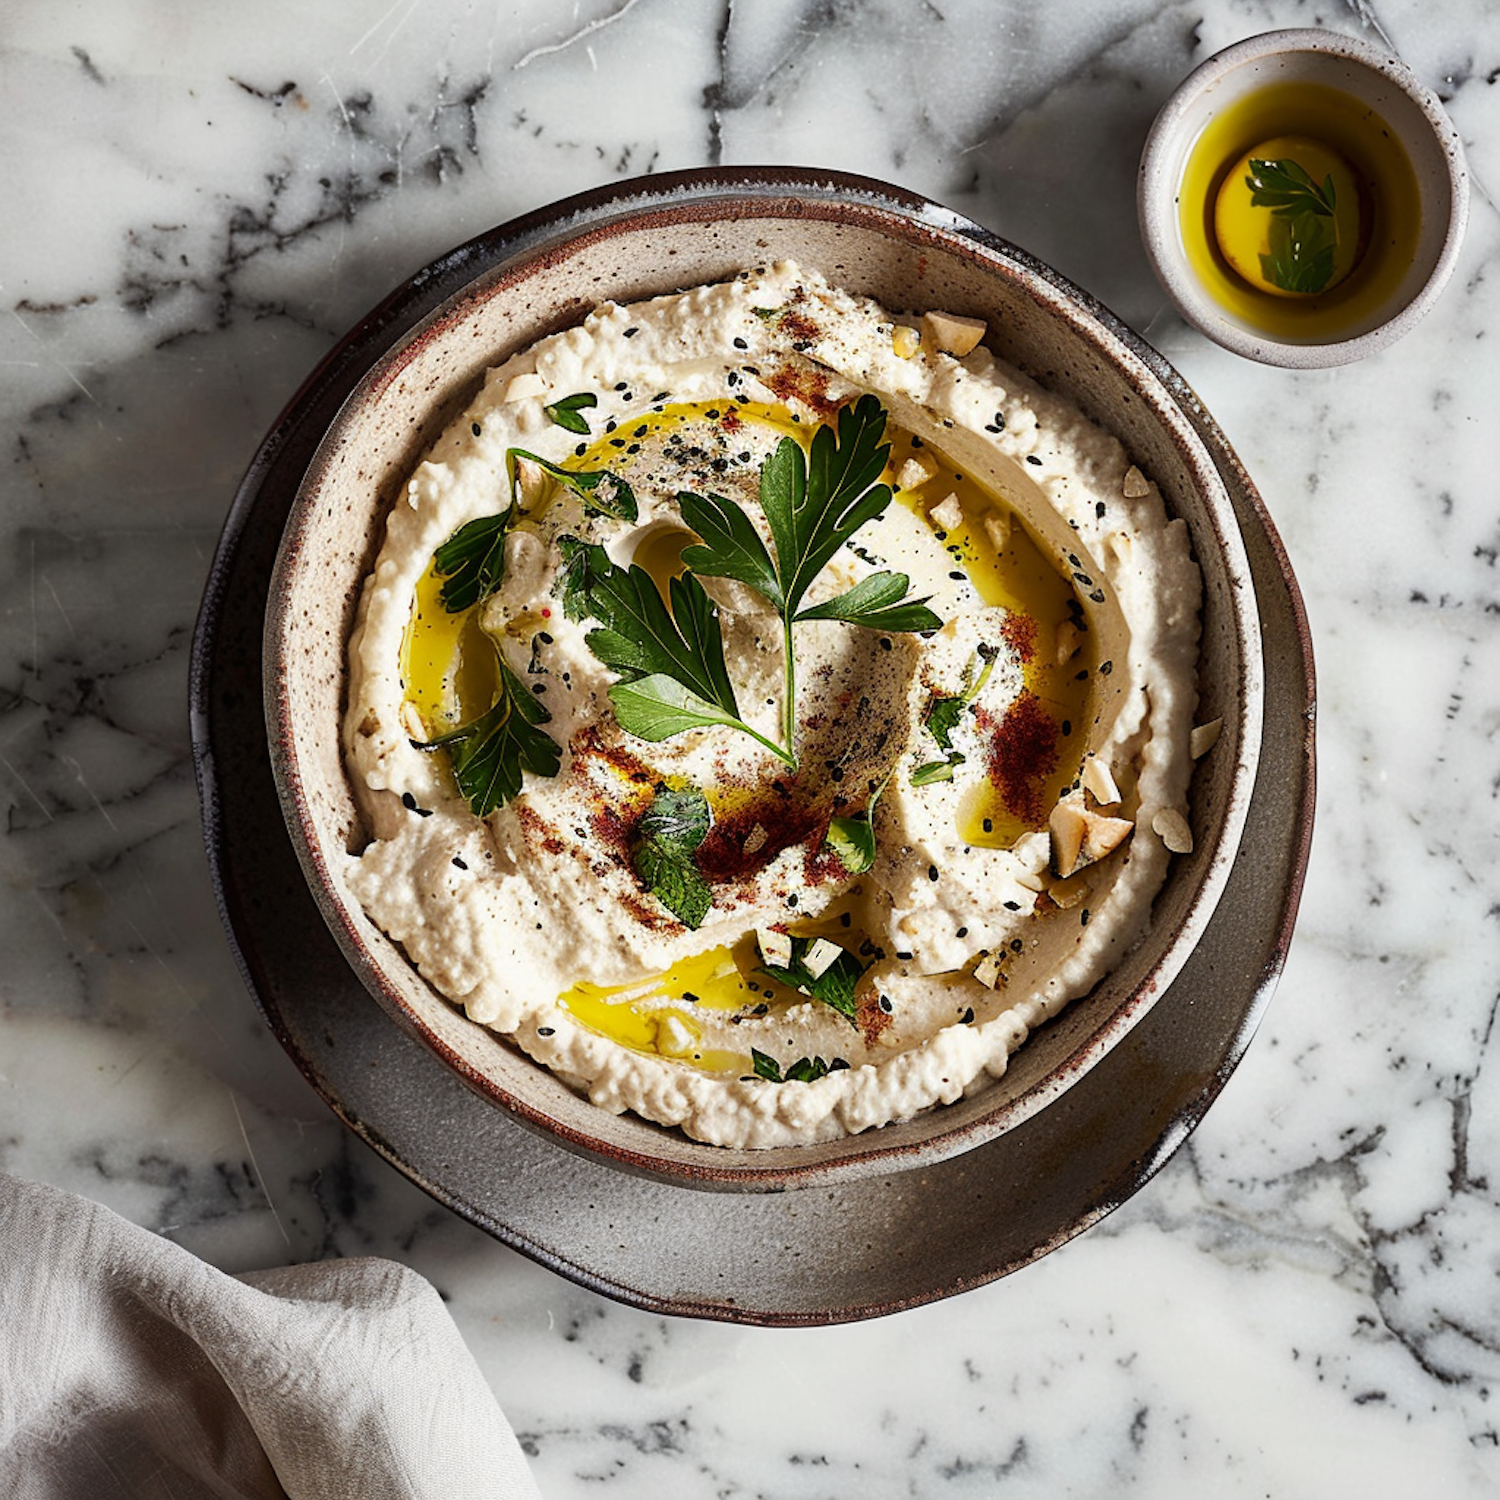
(131,1370)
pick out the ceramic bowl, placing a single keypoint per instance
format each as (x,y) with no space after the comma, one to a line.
(1387,294)
(660,235)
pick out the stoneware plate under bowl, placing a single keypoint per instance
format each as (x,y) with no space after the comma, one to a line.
(659,236)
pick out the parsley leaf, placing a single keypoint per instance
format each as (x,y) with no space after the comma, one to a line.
(471,562)
(1304,231)
(602,493)
(669,834)
(835,986)
(804,1070)
(942,718)
(584,564)
(813,504)
(490,753)
(670,660)
(853,839)
(568,412)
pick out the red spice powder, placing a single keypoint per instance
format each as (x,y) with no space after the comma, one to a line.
(1019,633)
(810,387)
(785,821)
(1022,755)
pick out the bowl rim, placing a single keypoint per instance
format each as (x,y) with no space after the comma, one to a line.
(794,193)
(1156,197)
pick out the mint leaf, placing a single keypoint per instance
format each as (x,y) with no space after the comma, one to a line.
(568,412)
(668,836)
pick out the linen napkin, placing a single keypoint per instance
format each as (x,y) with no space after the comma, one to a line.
(131,1370)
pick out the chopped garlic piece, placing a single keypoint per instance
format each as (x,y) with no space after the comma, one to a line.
(997,529)
(1121,545)
(411,720)
(914,472)
(821,957)
(524,387)
(952,333)
(1069,639)
(775,947)
(1136,484)
(987,970)
(1204,737)
(674,1036)
(947,513)
(1173,829)
(1098,781)
(905,341)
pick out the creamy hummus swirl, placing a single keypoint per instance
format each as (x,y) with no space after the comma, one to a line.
(1068,651)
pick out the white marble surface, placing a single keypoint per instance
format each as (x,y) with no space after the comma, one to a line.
(199,199)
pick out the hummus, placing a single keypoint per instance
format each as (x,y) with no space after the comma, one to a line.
(811,920)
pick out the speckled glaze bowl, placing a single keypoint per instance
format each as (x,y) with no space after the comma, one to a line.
(659,235)
(1378,82)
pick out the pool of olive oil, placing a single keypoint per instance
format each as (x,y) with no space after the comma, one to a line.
(1386,184)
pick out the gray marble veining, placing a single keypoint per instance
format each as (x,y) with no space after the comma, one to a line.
(1307,1299)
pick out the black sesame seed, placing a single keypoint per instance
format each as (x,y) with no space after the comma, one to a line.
(905,957)
(621,384)
(476,429)
(967,1018)
(989,825)
(580,450)
(962,932)
(689,995)
(932,872)
(844,919)
(1031,458)
(1016,945)
(740,344)
(1067,727)
(546,1031)
(630,333)
(1083,917)
(885,1004)
(1012,906)
(459,864)
(885,643)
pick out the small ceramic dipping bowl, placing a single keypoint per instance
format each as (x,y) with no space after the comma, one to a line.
(641,241)
(1403,210)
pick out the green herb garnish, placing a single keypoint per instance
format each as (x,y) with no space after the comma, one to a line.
(853,839)
(602,493)
(471,562)
(1304,229)
(942,718)
(490,753)
(804,1070)
(813,504)
(835,986)
(568,412)
(670,660)
(668,836)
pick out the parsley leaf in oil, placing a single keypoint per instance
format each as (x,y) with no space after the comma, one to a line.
(1304,230)
(568,412)
(490,753)
(667,836)
(943,717)
(471,562)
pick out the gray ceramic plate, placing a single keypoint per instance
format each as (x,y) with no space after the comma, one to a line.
(835,1253)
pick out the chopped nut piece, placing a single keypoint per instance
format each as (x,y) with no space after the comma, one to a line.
(1069,639)
(1173,829)
(1099,782)
(997,529)
(952,333)
(913,473)
(1081,837)
(775,947)
(987,971)
(1136,484)
(905,341)
(821,957)
(947,513)
(1204,737)
(1068,893)
(674,1037)
(1121,545)
(755,840)
(524,387)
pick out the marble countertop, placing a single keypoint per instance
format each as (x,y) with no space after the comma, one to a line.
(1306,1299)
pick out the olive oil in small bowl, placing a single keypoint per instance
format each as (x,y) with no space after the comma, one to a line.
(1302,198)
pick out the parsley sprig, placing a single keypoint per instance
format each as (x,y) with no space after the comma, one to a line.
(1304,229)
(813,504)
(804,1070)
(669,652)
(489,753)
